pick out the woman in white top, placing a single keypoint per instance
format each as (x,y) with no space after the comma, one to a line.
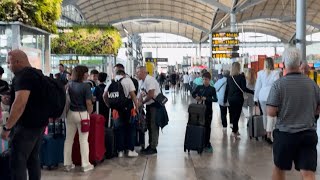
(265,80)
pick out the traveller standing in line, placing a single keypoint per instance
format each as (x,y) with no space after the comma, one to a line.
(248,105)
(173,78)
(63,74)
(27,117)
(236,87)
(124,130)
(220,87)
(207,94)
(295,137)
(80,107)
(149,89)
(265,80)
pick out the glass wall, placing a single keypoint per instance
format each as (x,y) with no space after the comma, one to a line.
(30,40)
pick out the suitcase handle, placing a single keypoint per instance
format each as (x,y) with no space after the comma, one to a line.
(109,118)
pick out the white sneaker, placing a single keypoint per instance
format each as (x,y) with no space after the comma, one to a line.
(68,168)
(87,168)
(120,154)
(132,153)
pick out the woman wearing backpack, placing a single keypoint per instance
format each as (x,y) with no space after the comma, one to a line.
(80,108)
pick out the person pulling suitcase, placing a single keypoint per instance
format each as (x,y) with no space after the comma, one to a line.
(207,94)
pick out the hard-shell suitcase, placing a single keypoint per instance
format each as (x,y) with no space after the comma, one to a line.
(194,138)
(110,141)
(95,139)
(255,126)
(51,151)
(197,114)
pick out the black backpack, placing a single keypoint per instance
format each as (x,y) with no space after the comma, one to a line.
(54,95)
(116,97)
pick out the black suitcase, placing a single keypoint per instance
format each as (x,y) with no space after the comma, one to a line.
(110,140)
(197,114)
(166,87)
(194,138)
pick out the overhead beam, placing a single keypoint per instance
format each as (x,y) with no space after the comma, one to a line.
(164,18)
(216,4)
(215,27)
(247,4)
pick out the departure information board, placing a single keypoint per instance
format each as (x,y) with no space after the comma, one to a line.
(225,55)
(225,42)
(156,59)
(225,34)
(69,61)
(225,48)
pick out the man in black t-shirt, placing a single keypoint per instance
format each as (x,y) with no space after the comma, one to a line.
(27,116)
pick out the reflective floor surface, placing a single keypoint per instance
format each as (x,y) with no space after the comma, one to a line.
(244,159)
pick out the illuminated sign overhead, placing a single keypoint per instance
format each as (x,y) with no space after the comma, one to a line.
(156,59)
(225,34)
(226,42)
(69,61)
(225,48)
(225,55)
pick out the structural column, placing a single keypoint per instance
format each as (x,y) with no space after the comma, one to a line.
(301,27)
(16,40)
(233,28)
(233,21)
(210,58)
(47,55)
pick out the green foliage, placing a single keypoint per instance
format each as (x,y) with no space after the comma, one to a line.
(39,13)
(90,40)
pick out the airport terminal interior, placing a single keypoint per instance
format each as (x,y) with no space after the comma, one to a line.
(166,37)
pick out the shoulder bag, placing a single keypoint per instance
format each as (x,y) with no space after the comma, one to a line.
(245,96)
(85,124)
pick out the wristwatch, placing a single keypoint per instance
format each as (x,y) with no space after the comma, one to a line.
(5,128)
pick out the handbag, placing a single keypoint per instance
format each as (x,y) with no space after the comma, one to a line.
(85,124)
(161,99)
(245,96)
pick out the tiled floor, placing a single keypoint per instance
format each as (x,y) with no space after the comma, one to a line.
(241,160)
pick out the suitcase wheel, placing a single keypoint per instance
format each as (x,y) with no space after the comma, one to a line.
(188,150)
(200,151)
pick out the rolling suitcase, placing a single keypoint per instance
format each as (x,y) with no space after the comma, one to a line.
(51,152)
(95,139)
(166,87)
(197,114)
(255,126)
(110,142)
(194,138)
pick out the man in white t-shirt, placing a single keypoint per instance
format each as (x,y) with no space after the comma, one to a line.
(149,89)
(186,81)
(124,132)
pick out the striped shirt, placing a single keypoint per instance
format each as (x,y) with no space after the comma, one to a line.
(297,98)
